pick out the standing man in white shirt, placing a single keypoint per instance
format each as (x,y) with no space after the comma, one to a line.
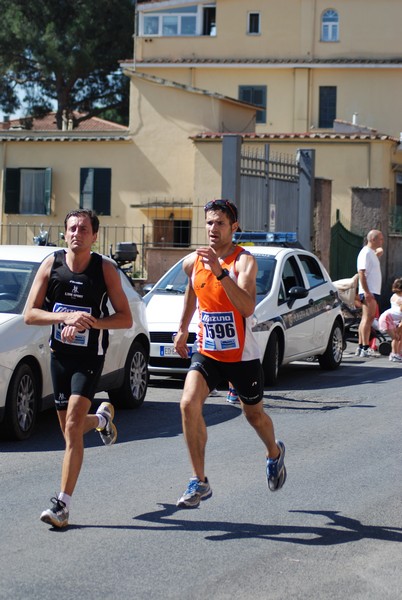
(370,279)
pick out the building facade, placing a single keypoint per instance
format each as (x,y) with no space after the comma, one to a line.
(303,63)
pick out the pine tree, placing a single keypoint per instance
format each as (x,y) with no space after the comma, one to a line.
(65,52)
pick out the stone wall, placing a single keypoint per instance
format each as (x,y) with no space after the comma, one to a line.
(370,210)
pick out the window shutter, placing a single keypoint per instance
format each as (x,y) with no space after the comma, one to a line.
(256,94)
(12,195)
(48,190)
(102,191)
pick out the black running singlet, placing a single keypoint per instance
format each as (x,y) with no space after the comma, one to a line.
(69,292)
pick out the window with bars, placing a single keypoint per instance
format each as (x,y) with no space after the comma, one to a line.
(327,106)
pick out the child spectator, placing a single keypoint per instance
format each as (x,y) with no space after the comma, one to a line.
(390,321)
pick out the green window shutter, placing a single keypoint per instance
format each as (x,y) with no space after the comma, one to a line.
(95,190)
(12,195)
(102,191)
(257,95)
(327,106)
(48,190)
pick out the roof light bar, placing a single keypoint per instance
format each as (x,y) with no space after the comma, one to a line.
(265,237)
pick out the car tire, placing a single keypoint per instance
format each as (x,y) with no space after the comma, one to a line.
(332,357)
(270,363)
(134,388)
(21,404)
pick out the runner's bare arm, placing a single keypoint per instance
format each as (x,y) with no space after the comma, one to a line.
(243,294)
(121,318)
(189,306)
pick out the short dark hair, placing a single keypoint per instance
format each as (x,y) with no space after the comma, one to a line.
(225,206)
(83,212)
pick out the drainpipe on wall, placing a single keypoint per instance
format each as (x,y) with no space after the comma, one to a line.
(2,180)
(135,33)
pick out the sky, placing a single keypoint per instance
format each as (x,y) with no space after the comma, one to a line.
(13,116)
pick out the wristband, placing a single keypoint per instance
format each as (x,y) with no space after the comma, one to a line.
(224,273)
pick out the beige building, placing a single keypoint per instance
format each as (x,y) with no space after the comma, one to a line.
(305,63)
(294,74)
(141,180)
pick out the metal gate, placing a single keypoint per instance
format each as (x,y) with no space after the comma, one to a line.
(345,246)
(273,193)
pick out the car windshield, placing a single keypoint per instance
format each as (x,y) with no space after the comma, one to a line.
(16,278)
(175,281)
(265,274)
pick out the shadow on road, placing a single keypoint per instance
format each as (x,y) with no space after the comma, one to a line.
(152,420)
(310,376)
(162,418)
(339,529)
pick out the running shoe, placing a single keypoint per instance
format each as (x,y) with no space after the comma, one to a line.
(57,515)
(196,491)
(369,353)
(276,470)
(358,351)
(395,358)
(109,432)
(232,396)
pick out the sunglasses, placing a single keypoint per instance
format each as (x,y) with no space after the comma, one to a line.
(222,204)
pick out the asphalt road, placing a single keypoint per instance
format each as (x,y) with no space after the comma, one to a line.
(333,532)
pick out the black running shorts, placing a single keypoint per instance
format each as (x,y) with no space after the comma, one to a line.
(246,376)
(73,375)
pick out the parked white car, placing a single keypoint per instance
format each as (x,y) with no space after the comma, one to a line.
(25,381)
(297,316)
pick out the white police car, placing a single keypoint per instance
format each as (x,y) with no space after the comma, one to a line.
(297,316)
(25,381)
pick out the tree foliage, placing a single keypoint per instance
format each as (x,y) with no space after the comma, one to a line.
(67,52)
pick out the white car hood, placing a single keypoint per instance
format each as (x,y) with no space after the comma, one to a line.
(164,312)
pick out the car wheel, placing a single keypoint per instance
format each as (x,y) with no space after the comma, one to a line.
(132,393)
(21,404)
(270,364)
(332,357)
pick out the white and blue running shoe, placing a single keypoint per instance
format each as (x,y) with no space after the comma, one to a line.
(196,491)
(276,470)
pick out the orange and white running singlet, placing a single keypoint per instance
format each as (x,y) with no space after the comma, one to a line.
(224,334)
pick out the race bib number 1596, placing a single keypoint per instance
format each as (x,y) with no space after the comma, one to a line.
(219,331)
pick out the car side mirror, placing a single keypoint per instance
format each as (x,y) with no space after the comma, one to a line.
(295,293)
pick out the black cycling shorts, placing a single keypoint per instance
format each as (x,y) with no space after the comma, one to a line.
(246,376)
(73,375)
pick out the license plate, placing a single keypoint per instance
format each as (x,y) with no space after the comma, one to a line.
(170,351)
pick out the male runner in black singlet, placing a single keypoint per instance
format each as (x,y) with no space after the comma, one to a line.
(70,292)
